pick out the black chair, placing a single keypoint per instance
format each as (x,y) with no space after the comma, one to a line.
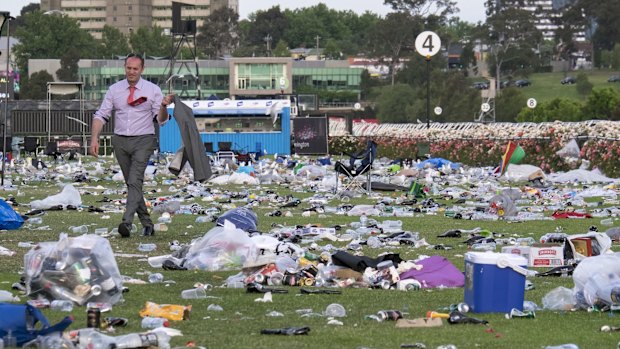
(224,146)
(31,144)
(358,164)
(51,149)
(209,147)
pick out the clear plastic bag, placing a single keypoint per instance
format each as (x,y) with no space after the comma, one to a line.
(80,269)
(222,248)
(560,298)
(69,196)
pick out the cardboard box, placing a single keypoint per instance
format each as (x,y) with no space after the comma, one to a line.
(583,246)
(546,255)
(523,251)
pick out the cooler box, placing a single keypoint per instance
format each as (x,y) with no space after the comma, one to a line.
(494,282)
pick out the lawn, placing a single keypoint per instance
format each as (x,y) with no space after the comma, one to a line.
(242,319)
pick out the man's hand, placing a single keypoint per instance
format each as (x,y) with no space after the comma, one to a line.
(167,100)
(94,148)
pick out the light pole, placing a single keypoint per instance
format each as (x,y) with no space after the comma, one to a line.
(7,20)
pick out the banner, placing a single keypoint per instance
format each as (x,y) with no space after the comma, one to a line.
(310,135)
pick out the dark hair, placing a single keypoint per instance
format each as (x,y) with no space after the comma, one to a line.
(135,55)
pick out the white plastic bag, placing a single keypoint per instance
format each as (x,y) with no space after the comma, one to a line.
(68,196)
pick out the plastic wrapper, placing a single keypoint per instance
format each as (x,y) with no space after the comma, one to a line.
(80,269)
(243,218)
(69,196)
(560,298)
(173,312)
(221,249)
(597,280)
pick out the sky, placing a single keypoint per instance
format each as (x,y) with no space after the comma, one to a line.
(471,10)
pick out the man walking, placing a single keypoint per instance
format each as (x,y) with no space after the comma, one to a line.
(136,103)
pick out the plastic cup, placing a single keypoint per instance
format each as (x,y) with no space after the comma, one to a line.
(194,293)
(335,310)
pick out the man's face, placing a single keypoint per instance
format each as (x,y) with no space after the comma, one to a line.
(133,69)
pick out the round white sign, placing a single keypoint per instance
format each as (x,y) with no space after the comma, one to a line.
(427,43)
(283,83)
(485,107)
(357,106)
(438,110)
(531,103)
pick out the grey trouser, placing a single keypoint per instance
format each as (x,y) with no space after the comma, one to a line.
(132,154)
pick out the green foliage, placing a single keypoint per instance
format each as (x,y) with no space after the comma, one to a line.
(561,109)
(272,23)
(281,50)
(509,104)
(439,8)
(68,66)
(150,41)
(35,86)
(218,35)
(584,86)
(602,104)
(393,103)
(114,42)
(51,36)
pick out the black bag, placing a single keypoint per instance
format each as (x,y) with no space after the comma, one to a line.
(21,320)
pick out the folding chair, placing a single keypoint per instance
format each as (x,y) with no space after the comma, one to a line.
(359,164)
(51,149)
(224,152)
(30,145)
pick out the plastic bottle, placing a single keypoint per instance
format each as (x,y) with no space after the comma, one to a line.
(141,340)
(6,296)
(156,278)
(146,247)
(563,346)
(61,305)
(160,227)
(335,310)
(9,340)
(202,219)
(363,220)
(154,322)
(35,220)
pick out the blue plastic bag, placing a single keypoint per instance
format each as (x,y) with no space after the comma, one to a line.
(22,320)
(9,219)
(243,218)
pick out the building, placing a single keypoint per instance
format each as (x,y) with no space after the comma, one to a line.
(547,13)
(127,15)
(260,77)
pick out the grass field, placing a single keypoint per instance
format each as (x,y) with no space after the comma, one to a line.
(240,322)
(547,86)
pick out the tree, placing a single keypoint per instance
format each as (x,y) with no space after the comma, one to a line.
(35,86)
(584,86)
(390,38)
(271,23)
(601,17)
(561,109)
(602,104)
(439,8)
(19,19)
(218,35)
(51,36)
(308,24)
(513,37)
(114,42)
(509,104)
(150,41)
(281,50)
(394,102)
(68,66)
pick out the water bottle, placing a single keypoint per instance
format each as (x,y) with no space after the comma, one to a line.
(202,219)
(146,247)
(563,346)
(154,322)
(143,340)
(160,227)
(62,305)
(10,341)
(363,220)
(156,278)
(35,220)
(484,246)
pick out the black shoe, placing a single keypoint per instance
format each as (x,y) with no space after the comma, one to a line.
(124,229)
(148,230)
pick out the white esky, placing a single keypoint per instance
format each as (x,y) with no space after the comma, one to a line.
(470,10)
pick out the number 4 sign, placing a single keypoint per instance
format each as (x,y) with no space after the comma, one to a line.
(427,43)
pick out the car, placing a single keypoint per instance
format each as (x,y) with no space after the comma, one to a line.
(569,80)
(614,78)
(480,85)
(522,83)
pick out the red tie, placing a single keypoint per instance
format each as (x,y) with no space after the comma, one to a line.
(132,89)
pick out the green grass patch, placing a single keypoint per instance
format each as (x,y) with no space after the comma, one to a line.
(239,324)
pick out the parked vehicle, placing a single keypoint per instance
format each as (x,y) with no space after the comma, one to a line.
(480,85)
(569,80)
(523,83)
(614,78)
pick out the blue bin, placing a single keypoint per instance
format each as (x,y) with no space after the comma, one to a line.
(494,282)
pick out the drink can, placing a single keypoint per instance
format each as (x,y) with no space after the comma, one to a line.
(311,269)
(385,284)
(93,318)
(308,281)
(289,279)
(392,315)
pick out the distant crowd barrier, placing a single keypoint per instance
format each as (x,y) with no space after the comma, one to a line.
(479,144)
